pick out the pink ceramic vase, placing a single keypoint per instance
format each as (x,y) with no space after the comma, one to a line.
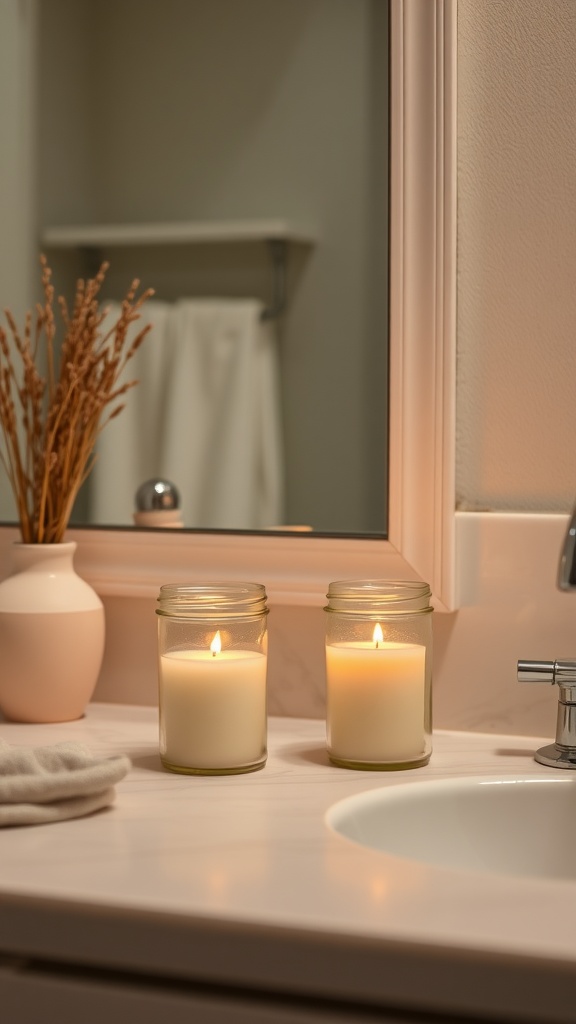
(51,636)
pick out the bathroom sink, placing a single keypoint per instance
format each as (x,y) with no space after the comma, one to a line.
(523,826)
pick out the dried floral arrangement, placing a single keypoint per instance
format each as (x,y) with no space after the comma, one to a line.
(50,420)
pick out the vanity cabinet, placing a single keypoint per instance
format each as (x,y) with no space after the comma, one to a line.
(29,994)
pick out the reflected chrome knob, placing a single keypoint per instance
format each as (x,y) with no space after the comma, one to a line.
(157,496)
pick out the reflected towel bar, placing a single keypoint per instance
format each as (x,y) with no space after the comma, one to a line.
(279,255)
(93,257)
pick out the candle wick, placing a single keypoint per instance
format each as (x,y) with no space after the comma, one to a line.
(213,654)
(376,644)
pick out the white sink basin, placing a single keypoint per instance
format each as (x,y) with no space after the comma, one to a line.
(512,826)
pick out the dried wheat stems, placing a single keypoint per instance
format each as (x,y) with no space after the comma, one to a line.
(53,404)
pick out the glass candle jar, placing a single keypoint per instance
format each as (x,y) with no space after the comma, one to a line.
(212,656)
(379,674)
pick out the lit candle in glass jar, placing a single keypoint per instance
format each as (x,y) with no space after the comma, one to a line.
(377,690)
(212,704)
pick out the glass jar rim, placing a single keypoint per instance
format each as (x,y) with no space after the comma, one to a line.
(221,598)
(378,596)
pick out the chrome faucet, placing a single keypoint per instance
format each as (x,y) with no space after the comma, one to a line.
(561,753)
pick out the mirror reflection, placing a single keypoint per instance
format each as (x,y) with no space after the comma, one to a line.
(239,150)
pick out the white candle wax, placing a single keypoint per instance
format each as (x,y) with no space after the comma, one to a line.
(375,701)
(212,708)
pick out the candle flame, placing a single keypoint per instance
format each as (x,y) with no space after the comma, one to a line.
(377,635)
(216,645)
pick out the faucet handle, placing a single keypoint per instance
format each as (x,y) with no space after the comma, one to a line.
(536,672)
(562,753)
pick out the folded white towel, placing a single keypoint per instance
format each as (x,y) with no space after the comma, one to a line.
(45,784)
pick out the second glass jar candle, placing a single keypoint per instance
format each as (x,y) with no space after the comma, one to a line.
(379,674)
(212,661)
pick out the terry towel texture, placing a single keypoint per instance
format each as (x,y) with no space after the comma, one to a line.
(46,784)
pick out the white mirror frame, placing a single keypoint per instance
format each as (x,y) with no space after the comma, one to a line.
(297,569)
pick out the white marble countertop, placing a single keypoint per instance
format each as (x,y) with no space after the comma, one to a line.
(238,880)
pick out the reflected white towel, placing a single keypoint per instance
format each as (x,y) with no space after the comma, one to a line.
(46,784)
(129,448)
(222,442)
(206,415)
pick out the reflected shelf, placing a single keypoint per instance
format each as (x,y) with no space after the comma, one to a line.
(70,236)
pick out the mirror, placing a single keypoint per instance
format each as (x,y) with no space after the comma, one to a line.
(422,532)
(250,111)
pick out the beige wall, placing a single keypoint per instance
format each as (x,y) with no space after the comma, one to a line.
(516,433)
